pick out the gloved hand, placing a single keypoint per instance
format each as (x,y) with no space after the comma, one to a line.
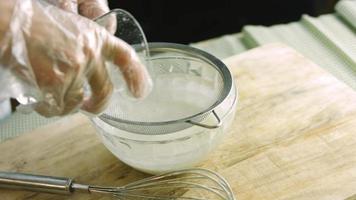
(87,8)
(48,53)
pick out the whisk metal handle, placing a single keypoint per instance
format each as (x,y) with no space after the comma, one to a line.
(36,183)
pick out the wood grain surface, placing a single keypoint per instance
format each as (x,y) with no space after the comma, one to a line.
(294,137)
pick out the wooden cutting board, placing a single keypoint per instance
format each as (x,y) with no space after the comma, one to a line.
(294,137)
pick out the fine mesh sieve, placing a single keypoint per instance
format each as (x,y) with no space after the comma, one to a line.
(189,85)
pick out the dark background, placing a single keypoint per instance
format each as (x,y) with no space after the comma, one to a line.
(186,21)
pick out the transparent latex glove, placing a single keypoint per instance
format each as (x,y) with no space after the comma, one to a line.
(48,54)
(87,8)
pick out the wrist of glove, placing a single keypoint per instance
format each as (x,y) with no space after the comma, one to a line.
(48,54)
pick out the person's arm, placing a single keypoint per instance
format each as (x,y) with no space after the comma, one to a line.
(6,13)
(49,53)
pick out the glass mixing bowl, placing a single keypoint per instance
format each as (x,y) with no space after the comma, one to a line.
(190,109)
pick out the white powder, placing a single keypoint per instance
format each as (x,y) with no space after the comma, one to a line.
(174,96)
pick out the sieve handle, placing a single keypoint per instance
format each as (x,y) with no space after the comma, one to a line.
(217,125)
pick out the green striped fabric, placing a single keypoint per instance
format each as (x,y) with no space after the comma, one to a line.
(347,10)
(328,40)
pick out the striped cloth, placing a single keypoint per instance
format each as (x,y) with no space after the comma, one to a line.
(328,40)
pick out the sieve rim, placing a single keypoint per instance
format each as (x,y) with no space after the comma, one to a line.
(195,52)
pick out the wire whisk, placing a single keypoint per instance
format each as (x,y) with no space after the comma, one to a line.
(187,184)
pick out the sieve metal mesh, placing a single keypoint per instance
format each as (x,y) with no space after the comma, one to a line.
(188,85)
